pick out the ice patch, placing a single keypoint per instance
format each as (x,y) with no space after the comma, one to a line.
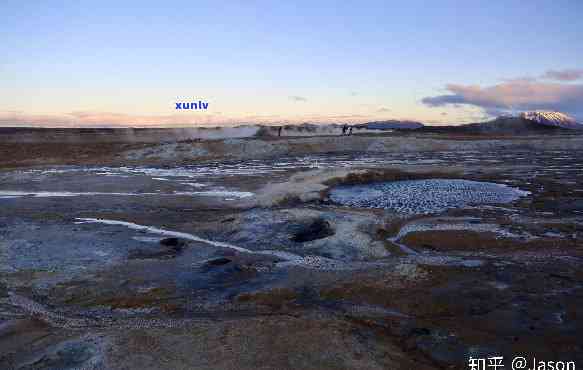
(218,193)
(424,196)
(453,224)
(8,194)
(440,260)
(499,285)
(56,194)
(194,184)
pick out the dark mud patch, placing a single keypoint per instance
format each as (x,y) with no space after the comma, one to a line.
(174,243)
(218,262)
(318,229)
(166,248)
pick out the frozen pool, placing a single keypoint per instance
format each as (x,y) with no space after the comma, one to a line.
(424,196)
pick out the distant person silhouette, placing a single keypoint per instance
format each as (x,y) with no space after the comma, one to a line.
(279,131)
(350,131)
(344,128)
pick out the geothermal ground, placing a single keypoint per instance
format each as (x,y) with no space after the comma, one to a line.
(396,252)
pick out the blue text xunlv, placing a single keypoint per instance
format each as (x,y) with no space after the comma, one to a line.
(193,105)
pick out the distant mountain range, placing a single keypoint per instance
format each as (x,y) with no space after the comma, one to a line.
(535,122)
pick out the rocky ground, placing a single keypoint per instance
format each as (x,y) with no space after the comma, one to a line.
(144,256)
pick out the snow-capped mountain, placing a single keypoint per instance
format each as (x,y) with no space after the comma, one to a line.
(555,119)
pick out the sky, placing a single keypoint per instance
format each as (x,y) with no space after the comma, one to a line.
(127,63)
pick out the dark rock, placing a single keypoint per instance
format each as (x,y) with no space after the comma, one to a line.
(420,331)
(562,277)
(429,246)
(168,248)
(218,261)
(175,243)
(319,229)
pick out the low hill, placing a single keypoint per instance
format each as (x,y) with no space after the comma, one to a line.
(390,125)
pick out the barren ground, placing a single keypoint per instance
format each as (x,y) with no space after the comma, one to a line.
(231,254)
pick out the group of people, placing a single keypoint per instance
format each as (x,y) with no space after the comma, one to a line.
(346,130)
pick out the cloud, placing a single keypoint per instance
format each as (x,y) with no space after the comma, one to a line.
(564,75)
(298,98)
(383,110)
(514,95)
(520,79)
